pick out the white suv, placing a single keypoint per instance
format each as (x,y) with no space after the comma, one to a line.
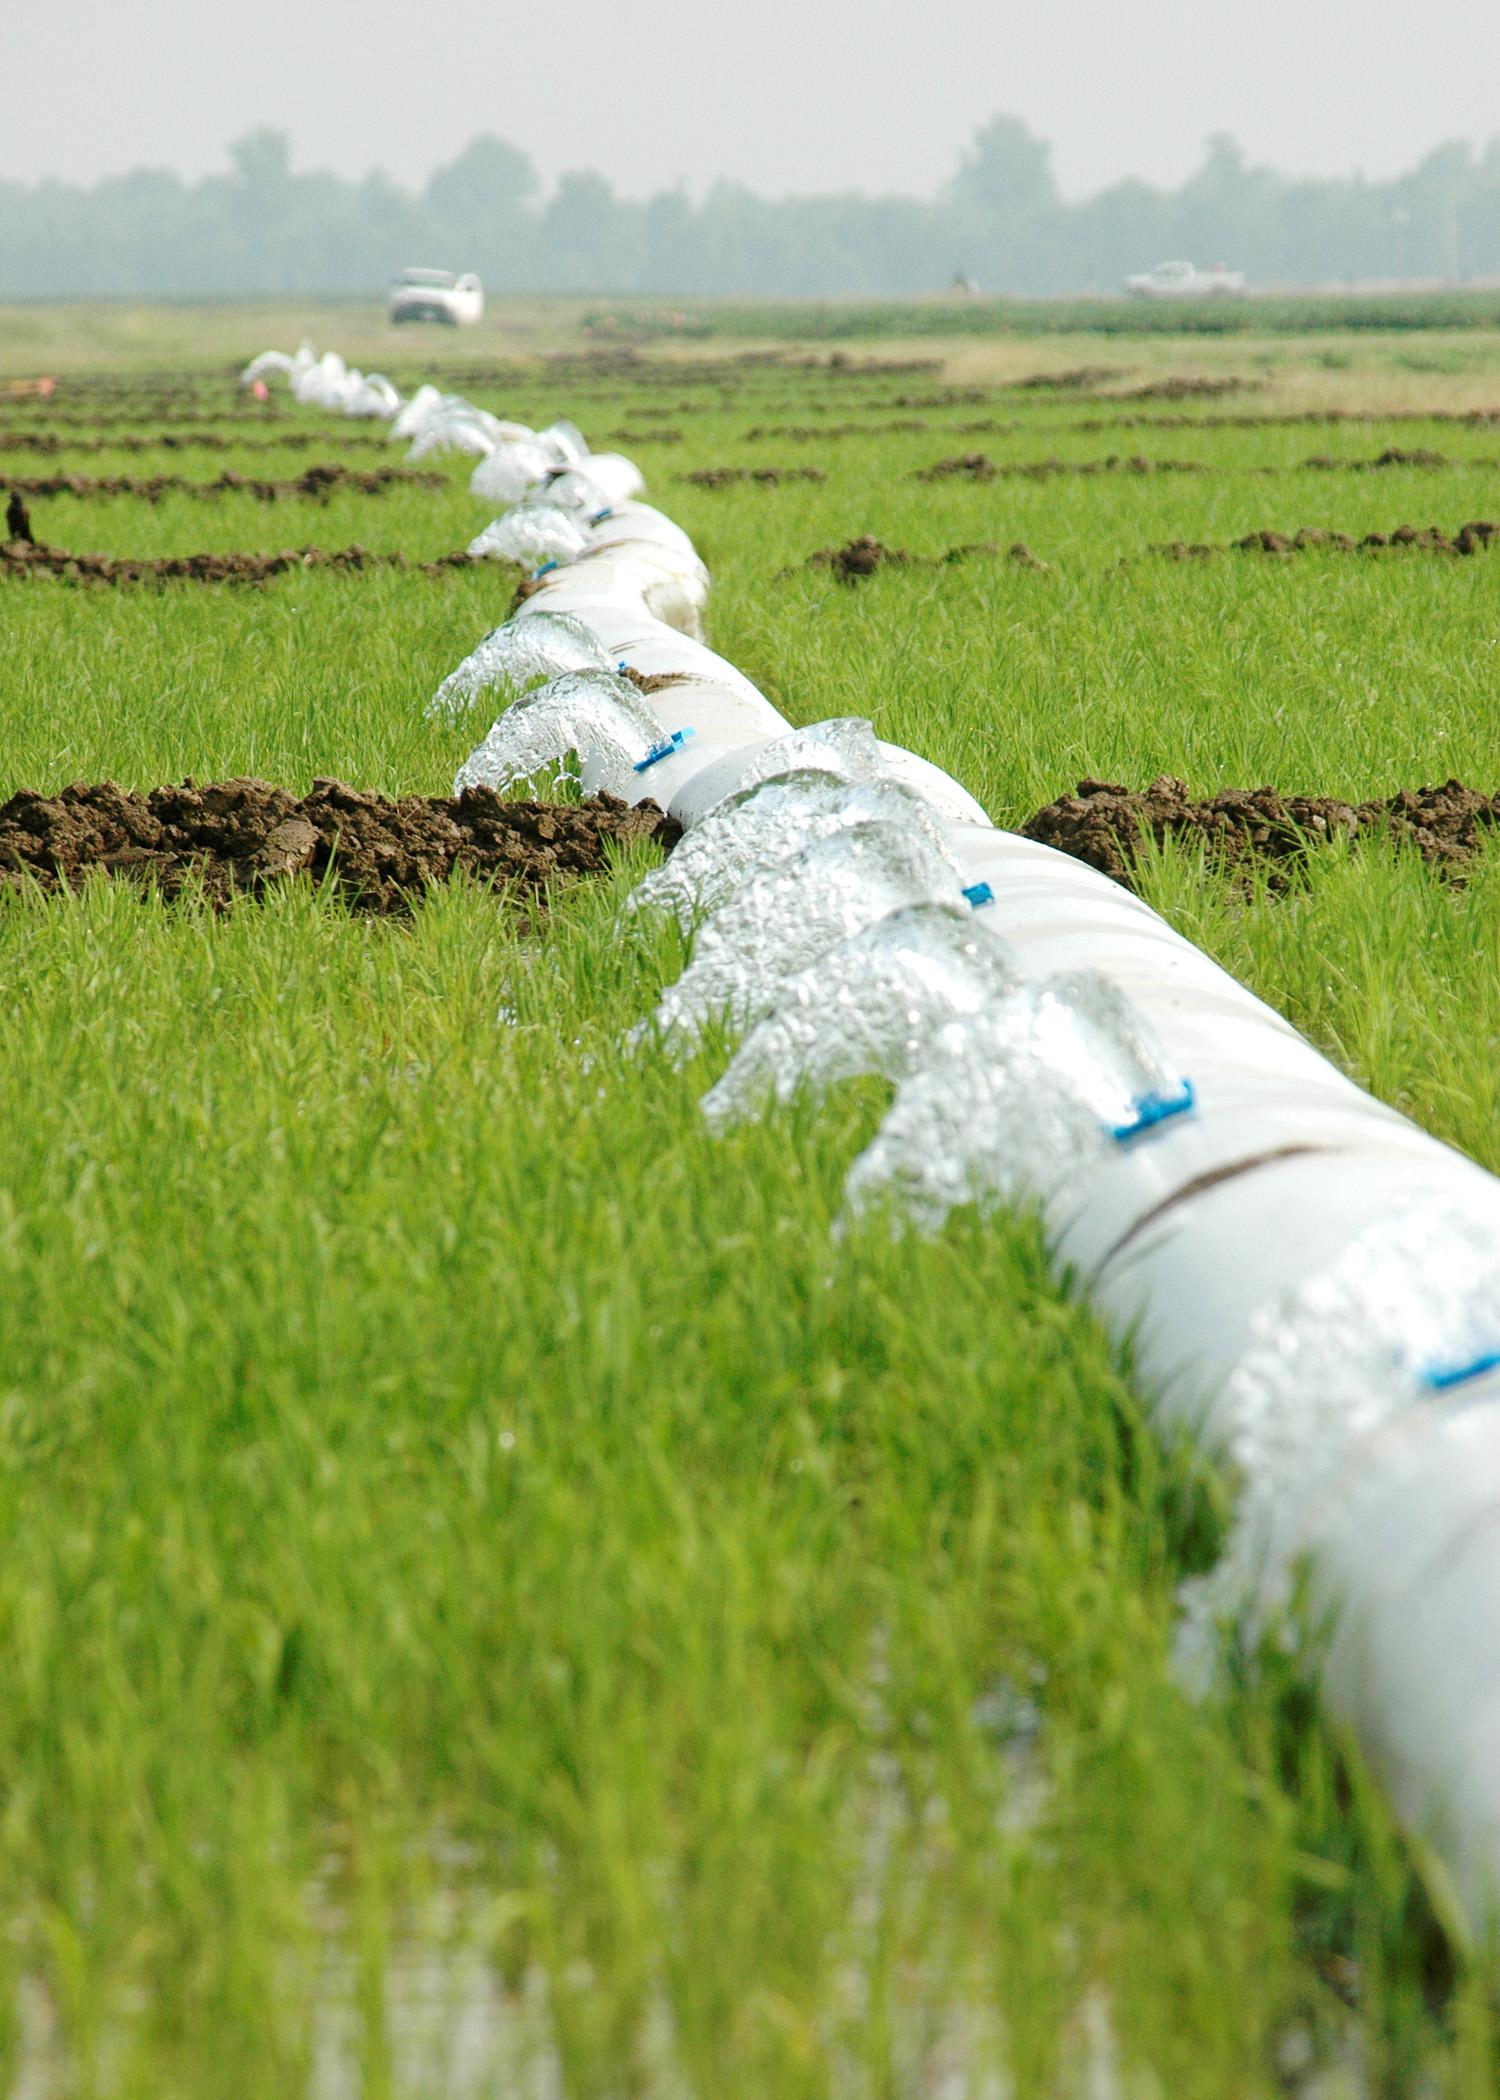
(437,295)
(1181,280)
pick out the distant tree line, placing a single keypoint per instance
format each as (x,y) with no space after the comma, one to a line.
(265,228)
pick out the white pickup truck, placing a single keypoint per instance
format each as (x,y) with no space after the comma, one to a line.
(1183,280)
(437,295)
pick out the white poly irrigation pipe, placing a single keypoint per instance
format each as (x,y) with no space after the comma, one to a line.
(1311,1282)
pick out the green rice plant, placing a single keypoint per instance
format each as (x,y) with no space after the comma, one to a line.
(497,1588)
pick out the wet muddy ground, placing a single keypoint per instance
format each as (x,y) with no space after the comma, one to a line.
(1105,824)
(233,838)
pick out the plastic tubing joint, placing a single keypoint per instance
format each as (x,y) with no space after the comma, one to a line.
(1441,1378)
(658,752)
(1154,1108)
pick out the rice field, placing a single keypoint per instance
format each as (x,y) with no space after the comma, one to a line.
(500,1597)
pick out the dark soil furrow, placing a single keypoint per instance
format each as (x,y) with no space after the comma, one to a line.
(316,484)
(48,444)
(1471,538)
(236,837)
(1106,824)
(20,558)
(1462,418)
(763,477)
(800,433)
(978,466)
(862,557)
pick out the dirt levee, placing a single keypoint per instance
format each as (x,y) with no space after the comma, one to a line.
(316,484)
(733,477)
(978,466)
(235,837)
(1105,824)
(866,555)
(23,558)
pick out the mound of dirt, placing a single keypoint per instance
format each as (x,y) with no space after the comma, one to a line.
(764,477)
(876,367)
(1466,418)
(978,466)
(1071,381)
(859,557)
(862,557)
(1105,824)
(48,443)
(159,412)
(21,558)
(801,433)
(1190,389)
(965,466)
(1428,539)
(644,437)
(946,397)
(1471,538)
(1393,456)
(235,837)
(315,484)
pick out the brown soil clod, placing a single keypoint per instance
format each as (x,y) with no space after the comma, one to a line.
(804,433)
(49,442)
(1393,456)
(734,477)
(1105,824)
(20,558)
(1190,389)
(863,556)
(315,484)
(1471,538)
(965,466)
(978,466)
(859,557)
(237,837)
(1077,378)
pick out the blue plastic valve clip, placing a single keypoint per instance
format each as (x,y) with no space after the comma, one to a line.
(1443,1377)
(1152,1109)
(600,515)
(673,743)
(543,570)
(979,893)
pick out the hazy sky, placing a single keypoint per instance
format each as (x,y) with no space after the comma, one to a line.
(787,95)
